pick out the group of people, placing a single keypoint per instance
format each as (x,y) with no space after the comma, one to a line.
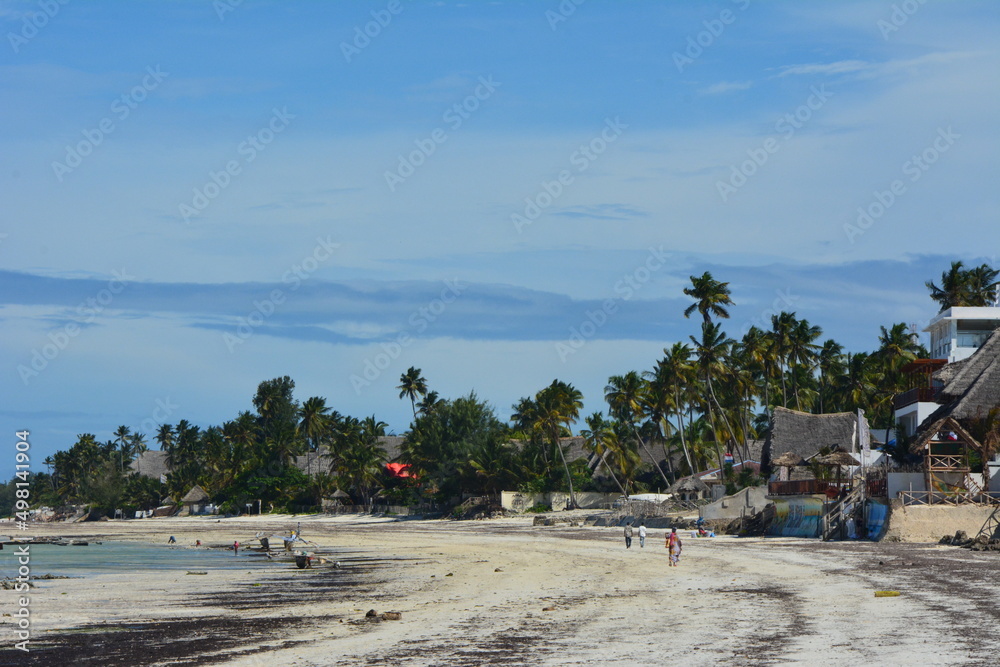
(672,542)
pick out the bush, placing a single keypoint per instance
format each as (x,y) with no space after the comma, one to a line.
(539,508)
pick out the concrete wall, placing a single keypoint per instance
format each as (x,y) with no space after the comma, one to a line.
(901,481)
(519,502)
(750,500)
(929,523)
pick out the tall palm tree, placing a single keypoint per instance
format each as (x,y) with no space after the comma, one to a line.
(673,372)
(711,351)
(711,297)
(411,385)
(954,287)
(558,405)
(313,421)
(830,364)
(981,285)
(627,397)
(802,351)
(782,326)
(597,437)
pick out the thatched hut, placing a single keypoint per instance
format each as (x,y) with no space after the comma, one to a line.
(785,463)
(690,488)
(195,500)
(806,434)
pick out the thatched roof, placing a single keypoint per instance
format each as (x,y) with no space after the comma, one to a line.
(152,464)
(340,494)
(788,460)
(195,495)
(838,458)
(805,434)
(973,388)
(944,424)
(689,485)
(392,445)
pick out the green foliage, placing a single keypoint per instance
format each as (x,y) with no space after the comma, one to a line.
(7,498)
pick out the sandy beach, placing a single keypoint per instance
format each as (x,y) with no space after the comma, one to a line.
(505,592)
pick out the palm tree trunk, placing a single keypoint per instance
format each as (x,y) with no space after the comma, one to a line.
(569,478)
(650,455)
(680,421)
(607,466)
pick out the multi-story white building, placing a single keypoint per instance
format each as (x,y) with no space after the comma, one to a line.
(956,333)
(959,331)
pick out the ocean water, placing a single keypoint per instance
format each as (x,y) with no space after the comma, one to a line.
(122,557)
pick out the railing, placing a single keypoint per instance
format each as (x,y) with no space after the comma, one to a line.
(918,395)
(799,487)
(835,520)
(947,462)
(939,498)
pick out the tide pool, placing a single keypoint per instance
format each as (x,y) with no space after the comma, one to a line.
(121,557)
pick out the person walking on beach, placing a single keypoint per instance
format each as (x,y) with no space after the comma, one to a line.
(642,535)
(236,547)
(674,547)
(628,535)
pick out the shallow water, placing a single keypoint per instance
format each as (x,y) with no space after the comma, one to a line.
(122,557)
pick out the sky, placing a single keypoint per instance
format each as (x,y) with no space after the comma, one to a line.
(200,196)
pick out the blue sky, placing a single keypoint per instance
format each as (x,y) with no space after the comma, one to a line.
(200,196)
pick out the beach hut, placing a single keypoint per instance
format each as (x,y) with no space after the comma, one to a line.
(838,458)
(195,500)
(690,488)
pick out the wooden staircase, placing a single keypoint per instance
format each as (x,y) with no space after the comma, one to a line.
(835,520)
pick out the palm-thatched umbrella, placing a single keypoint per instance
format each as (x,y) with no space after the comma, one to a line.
(340,495)
(787,461)
(839,458)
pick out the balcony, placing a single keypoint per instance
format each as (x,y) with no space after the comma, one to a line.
(918,395)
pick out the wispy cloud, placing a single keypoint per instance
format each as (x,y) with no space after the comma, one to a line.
(602,212)
(724,87)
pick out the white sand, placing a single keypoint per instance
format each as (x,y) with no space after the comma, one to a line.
(732,601)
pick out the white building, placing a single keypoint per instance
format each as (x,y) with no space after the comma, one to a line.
(959,331)
(956,333)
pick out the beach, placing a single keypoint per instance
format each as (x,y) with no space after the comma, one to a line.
(507,592)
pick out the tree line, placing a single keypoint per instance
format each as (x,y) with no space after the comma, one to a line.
(705,397)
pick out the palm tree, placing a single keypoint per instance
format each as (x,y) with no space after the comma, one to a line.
(711,297)
(558,405)
(981,285)
(954,287)
(802,350)
(430,401)
(627,397)
(830,365)
(672,373)
(412,384)
(711,352)
(312,421)
(782,326)
(597,437)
